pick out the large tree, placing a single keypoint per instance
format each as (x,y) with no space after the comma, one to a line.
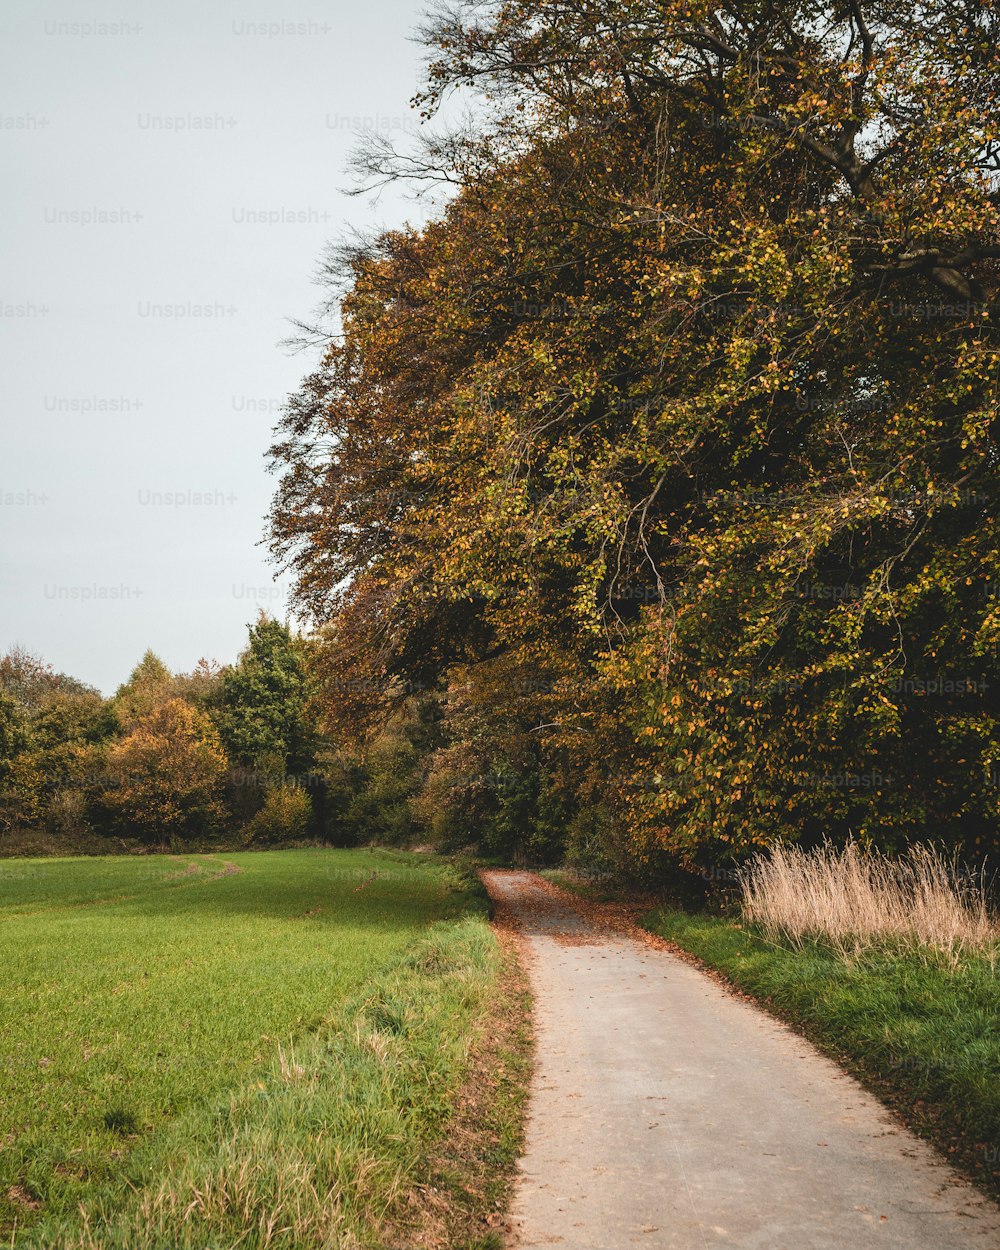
(687,402)
(263,712)
(164,778)
(59,724)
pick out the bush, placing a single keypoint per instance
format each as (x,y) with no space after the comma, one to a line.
(67,813)
(284,817)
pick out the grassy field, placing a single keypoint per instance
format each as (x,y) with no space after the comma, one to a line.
(919,1028)
(255,1049)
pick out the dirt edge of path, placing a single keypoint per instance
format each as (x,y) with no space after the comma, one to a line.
(464,1196)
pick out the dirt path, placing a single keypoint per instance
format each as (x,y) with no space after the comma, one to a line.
(666,1112)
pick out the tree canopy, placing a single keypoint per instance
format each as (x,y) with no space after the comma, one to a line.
(676,430)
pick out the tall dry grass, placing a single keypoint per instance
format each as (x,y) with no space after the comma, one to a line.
(855,899)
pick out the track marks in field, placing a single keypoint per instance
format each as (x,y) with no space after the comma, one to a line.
(195,872)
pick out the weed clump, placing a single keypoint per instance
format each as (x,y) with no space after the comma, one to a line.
(855,899)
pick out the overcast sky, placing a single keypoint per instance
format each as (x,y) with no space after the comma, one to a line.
(171,172)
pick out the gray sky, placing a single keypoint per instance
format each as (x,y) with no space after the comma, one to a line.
(171,171)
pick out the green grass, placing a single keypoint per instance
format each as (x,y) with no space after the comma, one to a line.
(920,1031)
(255,1049)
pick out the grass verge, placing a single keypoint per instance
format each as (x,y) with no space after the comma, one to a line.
(919,1029)
(460,1198)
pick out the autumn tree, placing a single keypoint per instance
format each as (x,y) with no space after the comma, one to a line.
(150,684)
(164,778)
(202,686)
(61,724)
(14,741)
(689,397)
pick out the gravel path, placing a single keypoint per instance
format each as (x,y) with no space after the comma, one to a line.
(666,1112)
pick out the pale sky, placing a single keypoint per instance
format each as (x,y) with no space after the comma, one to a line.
(171,172)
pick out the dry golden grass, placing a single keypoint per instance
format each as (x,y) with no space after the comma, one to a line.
(855,899)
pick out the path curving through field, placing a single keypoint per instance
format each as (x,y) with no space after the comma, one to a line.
(666,1112)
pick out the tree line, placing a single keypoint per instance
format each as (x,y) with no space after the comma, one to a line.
(169,758)
(649,492)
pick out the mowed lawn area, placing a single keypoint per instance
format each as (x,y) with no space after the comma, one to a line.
(250,1049)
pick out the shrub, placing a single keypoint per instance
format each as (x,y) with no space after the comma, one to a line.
(67,812)
(285,815)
